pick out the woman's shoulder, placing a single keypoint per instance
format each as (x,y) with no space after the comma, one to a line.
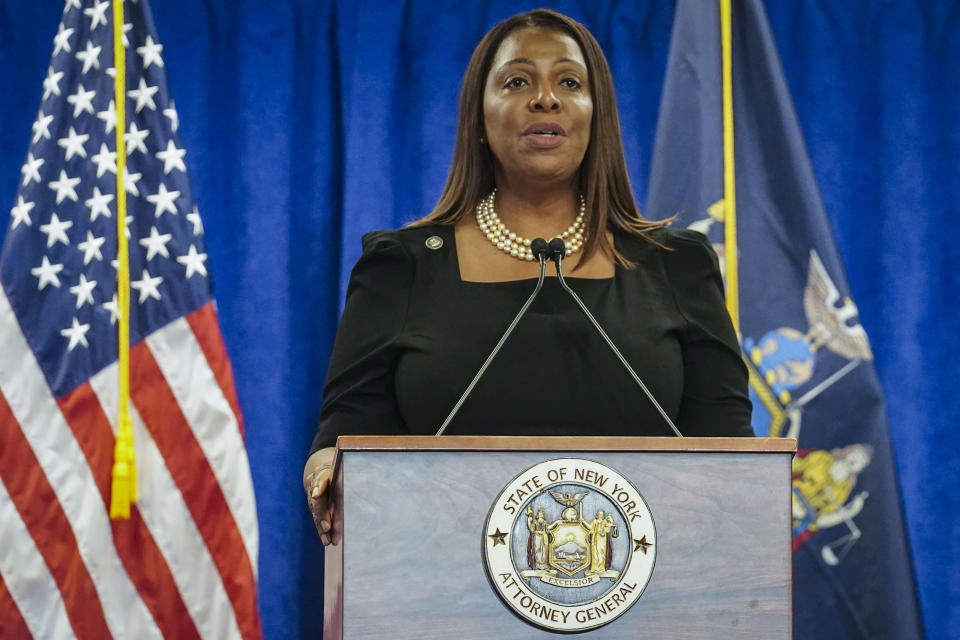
(683,238)
(688,261)
(668,243)
(412,241)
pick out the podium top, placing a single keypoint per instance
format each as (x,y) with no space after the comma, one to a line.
(566,443)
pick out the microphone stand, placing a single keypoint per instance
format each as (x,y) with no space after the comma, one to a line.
(539,249)
(557,251)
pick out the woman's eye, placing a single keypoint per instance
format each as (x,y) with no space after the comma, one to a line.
(516,83)
(570,83)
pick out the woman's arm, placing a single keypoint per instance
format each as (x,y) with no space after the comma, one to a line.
(359,397)
(714,400)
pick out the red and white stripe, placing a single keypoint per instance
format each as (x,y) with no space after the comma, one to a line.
(41,610)
(212,421)
(184,564)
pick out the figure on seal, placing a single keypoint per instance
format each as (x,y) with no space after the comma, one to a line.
(539,540)
(601,551)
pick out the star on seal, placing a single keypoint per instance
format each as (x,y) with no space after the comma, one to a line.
(498,537)
(641,544)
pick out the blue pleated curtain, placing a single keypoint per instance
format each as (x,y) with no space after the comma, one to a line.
(307,123)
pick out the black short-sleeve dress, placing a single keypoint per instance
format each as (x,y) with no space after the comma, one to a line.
(413,334)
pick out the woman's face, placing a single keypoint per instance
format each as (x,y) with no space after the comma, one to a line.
(537,107)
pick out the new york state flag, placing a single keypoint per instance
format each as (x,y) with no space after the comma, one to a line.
(811,367)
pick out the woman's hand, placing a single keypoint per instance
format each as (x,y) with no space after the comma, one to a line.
(317,475)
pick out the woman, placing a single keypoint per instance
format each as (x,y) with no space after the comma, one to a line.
(538,154)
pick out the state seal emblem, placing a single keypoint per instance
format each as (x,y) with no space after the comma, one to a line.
(569,545)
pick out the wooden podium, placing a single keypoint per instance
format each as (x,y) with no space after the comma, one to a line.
(411,512)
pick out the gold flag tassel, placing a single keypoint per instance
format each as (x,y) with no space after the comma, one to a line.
(123,488)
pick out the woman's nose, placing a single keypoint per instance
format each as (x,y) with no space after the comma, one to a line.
(545,100)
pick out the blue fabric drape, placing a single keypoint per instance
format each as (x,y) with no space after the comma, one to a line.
(309,122)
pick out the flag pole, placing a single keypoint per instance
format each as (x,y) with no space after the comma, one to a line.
(729,174)
(124,475)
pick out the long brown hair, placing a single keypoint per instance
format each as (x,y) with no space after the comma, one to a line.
(604,181)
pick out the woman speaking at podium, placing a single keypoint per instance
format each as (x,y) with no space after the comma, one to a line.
(538,154)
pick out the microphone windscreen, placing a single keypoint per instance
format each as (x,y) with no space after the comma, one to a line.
(538,248)
(557,249)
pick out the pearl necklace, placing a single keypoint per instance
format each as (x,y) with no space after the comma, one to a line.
(518,246)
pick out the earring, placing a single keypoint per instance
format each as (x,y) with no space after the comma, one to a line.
(483,140)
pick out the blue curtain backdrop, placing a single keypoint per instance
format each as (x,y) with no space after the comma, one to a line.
(307,123)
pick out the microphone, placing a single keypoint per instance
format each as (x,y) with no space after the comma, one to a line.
(540,251)
(557,251)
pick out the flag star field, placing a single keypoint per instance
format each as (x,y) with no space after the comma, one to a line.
(62,232)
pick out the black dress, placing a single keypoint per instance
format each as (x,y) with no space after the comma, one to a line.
(413,334)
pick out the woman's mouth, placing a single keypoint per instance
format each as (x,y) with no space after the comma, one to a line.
(545,129)
(545,135)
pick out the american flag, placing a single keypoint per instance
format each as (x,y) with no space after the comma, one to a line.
(185,564)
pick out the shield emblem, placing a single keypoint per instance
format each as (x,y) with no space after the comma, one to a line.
(569,551)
